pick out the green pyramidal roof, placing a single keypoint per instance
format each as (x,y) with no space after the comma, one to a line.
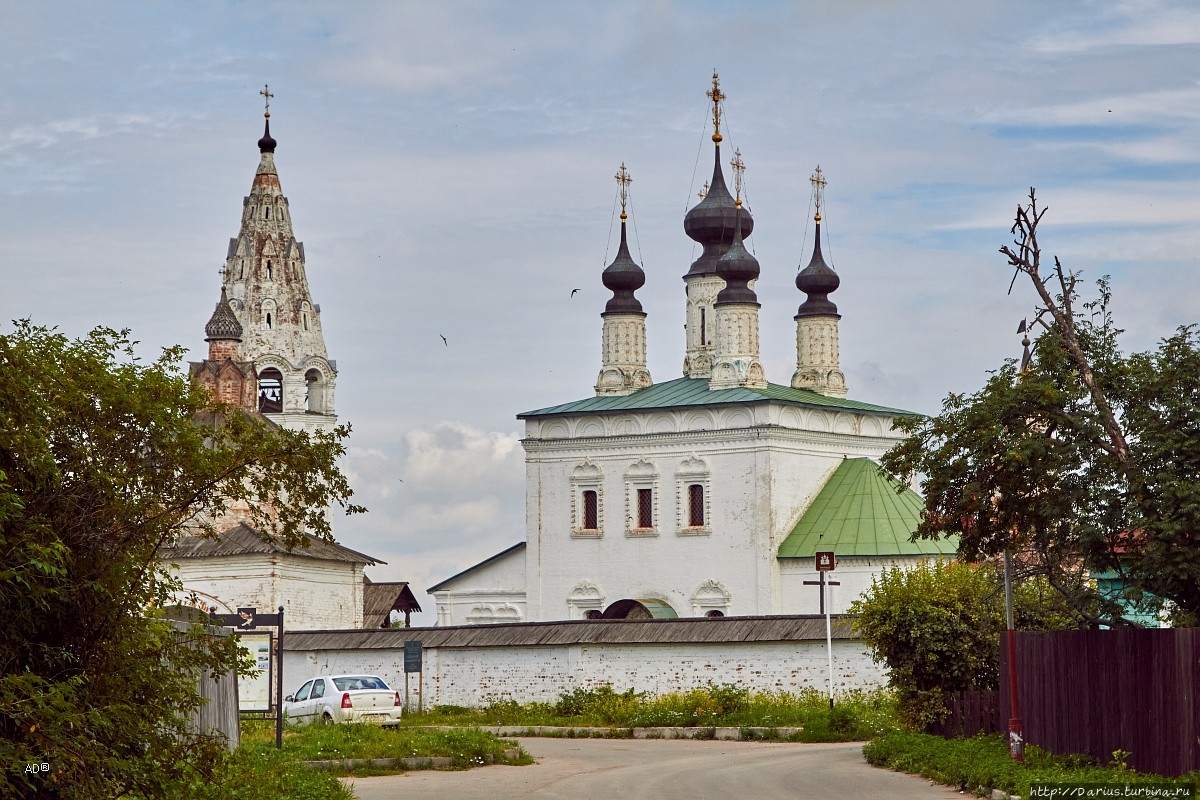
(695,392)
(858,513)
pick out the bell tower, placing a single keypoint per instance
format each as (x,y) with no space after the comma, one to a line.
(267,287)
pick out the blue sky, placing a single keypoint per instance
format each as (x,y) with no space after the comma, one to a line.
(449,168)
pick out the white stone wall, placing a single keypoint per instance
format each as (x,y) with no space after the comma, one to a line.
(764,465)
(315,594)
(475,676)
(492,593)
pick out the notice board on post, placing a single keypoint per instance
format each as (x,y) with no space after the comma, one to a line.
(412,656)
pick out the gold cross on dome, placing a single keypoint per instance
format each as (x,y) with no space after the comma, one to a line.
(739,171)
(703,191)
(716,95)
(818,182)
(266,93)
(623,181)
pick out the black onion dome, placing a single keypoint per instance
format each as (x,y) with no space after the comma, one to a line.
(817,280)
(266,144)
(737,268)
(223,324)
(711,221)
(623,276)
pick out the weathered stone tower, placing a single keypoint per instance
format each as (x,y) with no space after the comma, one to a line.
(265,280)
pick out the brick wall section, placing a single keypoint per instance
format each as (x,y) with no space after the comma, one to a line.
(472,676)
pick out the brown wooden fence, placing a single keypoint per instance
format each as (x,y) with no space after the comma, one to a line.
(1097,692)
(971,712)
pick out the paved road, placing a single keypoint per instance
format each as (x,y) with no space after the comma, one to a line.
(666,769)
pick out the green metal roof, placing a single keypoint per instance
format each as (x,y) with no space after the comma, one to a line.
(683,392)
(858,513)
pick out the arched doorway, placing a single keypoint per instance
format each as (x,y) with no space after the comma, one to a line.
(645,608)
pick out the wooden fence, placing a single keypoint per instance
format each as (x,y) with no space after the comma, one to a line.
(971,712)
(220,713)
(1098,692)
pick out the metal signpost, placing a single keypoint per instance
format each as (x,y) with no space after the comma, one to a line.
(248,619)
(825,563)
(412,663)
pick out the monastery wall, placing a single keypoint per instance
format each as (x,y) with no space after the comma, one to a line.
(476,676)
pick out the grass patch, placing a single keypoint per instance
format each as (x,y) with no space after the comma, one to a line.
(467,746)
(982,763)
(856,716)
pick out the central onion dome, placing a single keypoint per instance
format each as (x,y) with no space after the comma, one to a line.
(818,281)
(737,268)
(623,277)
(711,222)
(266,144)
(223,325)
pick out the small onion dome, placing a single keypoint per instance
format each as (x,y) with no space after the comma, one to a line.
(623,276)
(817,280)
(711,221)
(223,324)
(266,144)
(737,268)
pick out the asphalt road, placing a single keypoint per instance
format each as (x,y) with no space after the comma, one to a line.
(664,769)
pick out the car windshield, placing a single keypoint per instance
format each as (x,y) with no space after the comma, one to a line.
(349,683)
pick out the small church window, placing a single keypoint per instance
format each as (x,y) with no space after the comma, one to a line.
(703,329)
(715,613)
(645,508)
(593,613)
(591,510)
(268,319)
(269,270)
(696,505)
(267,212)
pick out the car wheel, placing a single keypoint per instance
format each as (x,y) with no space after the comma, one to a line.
(326,719)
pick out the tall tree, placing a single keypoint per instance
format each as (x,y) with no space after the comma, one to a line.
(103,460)
(1084,459)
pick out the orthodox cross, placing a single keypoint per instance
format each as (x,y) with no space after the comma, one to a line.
(716,95)
(818,182)
(266,93)
(623,181)
(739,172)
(822,583)
(704,191)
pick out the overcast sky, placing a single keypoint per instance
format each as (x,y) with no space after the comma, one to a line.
(450,172)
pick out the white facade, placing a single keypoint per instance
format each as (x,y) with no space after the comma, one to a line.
(315,594)
(758,466)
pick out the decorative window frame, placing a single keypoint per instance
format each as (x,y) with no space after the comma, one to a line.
(641,475)
(693,470)
(585,597)
(710,596)
(587,477)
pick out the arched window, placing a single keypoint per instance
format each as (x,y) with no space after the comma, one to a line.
(696,505)
(593,613)
(270,391)
(267,212)
(591,510)
(270,271)
(714,613)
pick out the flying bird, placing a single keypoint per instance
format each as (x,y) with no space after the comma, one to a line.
(444,340)
(573,291)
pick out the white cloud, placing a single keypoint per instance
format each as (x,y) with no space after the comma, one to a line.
(456,452)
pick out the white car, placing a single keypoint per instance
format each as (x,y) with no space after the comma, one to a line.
(343,698)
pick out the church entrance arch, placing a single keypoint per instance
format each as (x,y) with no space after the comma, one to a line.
(645,608)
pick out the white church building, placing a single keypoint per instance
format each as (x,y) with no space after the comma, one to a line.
(708,494)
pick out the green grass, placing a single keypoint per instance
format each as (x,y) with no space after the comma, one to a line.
(856,716)
(982,763)
(467,746)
